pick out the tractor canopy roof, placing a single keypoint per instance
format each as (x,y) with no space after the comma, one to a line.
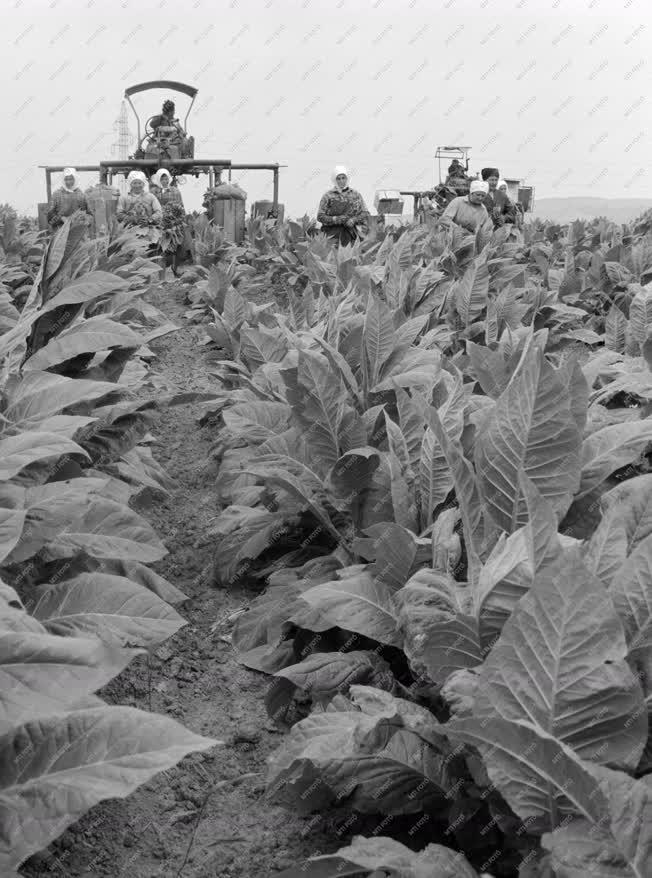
(162,83)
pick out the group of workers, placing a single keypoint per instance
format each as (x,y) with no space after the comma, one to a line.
(478,206)
(144,206)
(484,206)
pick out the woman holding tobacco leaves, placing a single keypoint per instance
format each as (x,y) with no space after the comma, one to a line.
(342,211)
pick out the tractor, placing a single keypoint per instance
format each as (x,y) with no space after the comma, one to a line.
(164,142)
(458,181)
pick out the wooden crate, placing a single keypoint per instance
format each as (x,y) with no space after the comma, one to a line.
(43,216)
(262,208)
(230,216)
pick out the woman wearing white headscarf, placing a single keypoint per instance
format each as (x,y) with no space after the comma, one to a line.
(66,200)
(469,212)
(139,208)
(342,211)
(176,242)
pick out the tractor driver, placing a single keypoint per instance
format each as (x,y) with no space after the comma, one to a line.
(166,119)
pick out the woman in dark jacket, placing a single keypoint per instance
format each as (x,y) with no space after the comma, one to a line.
(342,211)
(499,207)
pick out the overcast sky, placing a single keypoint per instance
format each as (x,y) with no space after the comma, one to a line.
(556,92)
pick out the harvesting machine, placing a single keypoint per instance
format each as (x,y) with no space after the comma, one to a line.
(456,184)
(169,146)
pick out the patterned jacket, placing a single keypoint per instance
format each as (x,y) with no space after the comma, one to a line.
(171,195)
(64,203)
(135,209)
(339,205)
(500,208)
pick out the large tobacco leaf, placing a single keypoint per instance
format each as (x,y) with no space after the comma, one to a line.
(54,769)
(18,452)
(43,674)
(112,608)
(559,665)
(378,753)
(40,395)
(357,602)
(107,529)
(90,336)
(316,393)
(532,428)
(367,856)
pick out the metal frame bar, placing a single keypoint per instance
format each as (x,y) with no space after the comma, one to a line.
(214,168)
(136,115)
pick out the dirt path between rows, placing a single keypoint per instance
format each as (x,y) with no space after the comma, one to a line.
(229,830)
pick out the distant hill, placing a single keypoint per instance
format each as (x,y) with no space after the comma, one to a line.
(565,210)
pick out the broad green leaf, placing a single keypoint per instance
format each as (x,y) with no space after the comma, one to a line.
(11,527)
(50,509)
(403,501)
(615,329)
(235,309)
(316,395)
(107,529)
(294,487)
(257,634)
(492,370)
(257,421)
(611,448)
(541,530)
(436,479)
(472,290)
(142,575)
(337,361)
(620,846)
(323,674)
(261,345)
(465,483)
(631,592)
(357,603)
(411,424)
(607,549)
(396,550)
(560,653)
(531,428)
(640,314)
(354,470)
(89,286)
(242,534)
(112,608)
(419,367)
(388,855)
(378,338)
(56,769)
(441,632)
(632,501)
(43,674)
(92,335)
(543,781)
(20,451)
(385,757)
(39,395)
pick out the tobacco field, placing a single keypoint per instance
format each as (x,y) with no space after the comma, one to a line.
(354,546)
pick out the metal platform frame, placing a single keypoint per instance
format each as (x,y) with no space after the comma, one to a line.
(212,167)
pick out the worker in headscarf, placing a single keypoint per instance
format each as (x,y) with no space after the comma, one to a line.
(176,242)
(501,186)
(66,200)
(139,207)
(342,212)
(469,212)
(160,186)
